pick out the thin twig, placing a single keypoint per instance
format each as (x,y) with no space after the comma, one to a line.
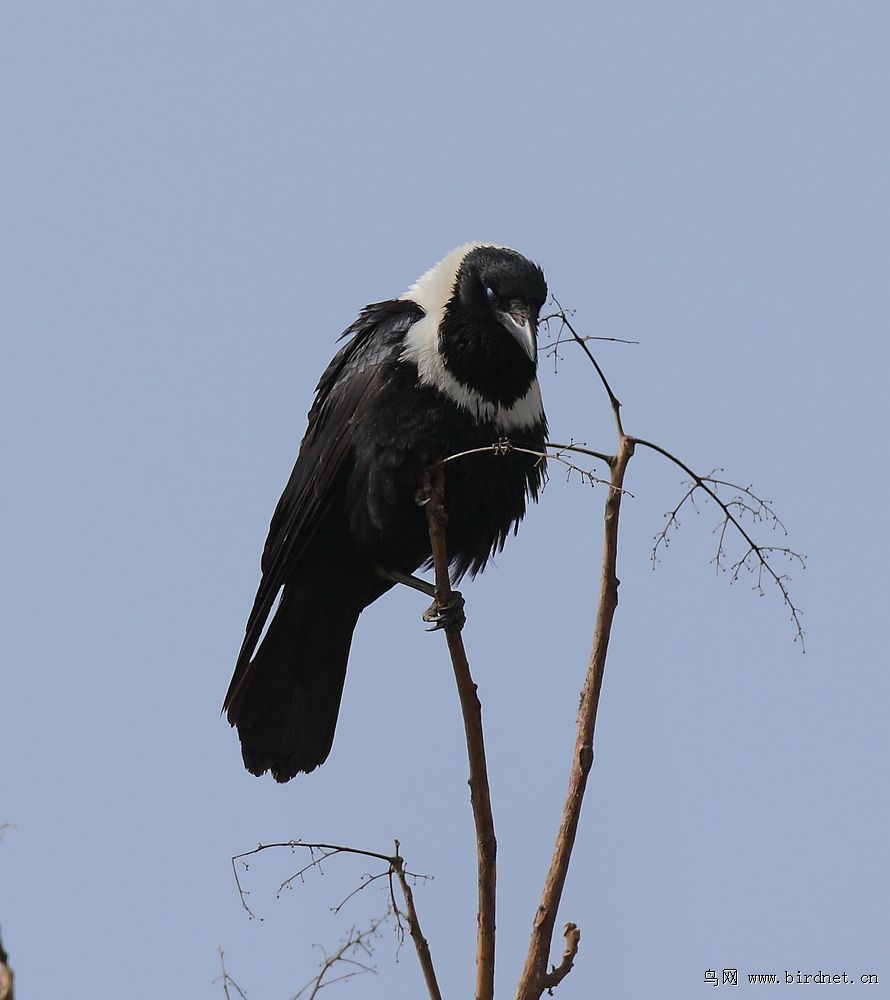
(471,709)
(505,446)
(329,849)
(421,945)
(225,978)
(748,502)
(395,867)
(367,879)
(553,346)
(614,402)
(356,941)
(571,446)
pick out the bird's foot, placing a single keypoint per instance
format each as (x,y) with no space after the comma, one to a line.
(449,616)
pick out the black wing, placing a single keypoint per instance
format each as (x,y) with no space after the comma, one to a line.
(353,374)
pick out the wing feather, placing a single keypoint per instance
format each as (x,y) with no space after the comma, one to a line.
(349,381)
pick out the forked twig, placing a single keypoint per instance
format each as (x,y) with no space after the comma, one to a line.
(556,975)
(504,446)
(581,341)
(745,502)
(552,348)
(395,869)
(224,978)
(357,942)
(328,850)
(421,945)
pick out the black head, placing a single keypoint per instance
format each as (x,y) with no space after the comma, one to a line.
(488,333)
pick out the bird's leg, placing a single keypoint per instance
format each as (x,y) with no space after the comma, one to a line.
(407,579)
(448,616)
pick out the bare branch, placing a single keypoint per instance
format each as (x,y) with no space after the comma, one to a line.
(743,504)
(471,709)
(421,945)
(572,446)
(534,978)
(556,975)
(6,975)
(357,943)
(756,558)
(329,851)
(552,348)
(395,868)
(225,979)
(614,402)
(505,446)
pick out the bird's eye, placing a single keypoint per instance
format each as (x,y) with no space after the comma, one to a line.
(489,293)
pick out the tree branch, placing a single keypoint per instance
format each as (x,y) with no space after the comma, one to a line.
(505,446)
(357,941)
(6,976)
(329,850)
(745,501)
(421,946)
(556,975)
(614,402)
(225,979)
(534,978)
(471,709)
(395,868)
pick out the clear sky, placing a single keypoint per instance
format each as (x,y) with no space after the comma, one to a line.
(197,197)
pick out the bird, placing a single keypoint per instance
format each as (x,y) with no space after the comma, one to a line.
(448,367)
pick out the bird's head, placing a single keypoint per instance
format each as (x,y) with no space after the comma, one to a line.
(496,290)
(482,305)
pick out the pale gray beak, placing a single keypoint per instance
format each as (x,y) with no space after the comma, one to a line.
(517,321)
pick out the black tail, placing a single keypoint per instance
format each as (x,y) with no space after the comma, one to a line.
(286,700)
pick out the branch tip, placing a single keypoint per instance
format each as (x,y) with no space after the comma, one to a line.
(555,976)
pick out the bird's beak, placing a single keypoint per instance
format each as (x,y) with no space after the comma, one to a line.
(518,321)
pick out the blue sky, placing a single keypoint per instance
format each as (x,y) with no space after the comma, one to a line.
(197,199)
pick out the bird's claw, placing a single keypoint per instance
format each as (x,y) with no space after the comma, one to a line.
(448,616)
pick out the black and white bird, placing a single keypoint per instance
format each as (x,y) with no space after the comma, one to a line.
(448,367)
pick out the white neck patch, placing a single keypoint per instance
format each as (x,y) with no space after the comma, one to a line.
(432,291)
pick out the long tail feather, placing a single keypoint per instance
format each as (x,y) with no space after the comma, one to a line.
(285,702)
